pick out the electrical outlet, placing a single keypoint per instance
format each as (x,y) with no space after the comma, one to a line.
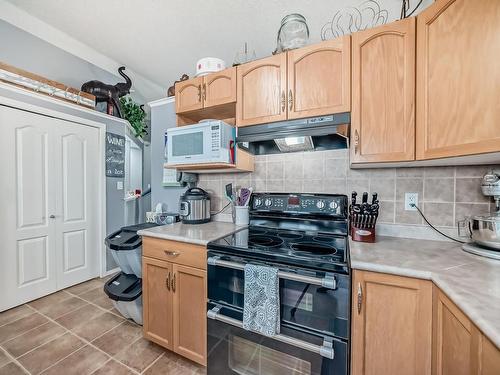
(411,198)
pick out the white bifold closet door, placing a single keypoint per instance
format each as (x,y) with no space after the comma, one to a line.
(50,205)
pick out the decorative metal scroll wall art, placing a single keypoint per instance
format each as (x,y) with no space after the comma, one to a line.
(351,19)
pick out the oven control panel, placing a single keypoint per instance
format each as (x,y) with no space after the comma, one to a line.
(307,204)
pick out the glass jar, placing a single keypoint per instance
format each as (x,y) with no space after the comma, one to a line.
(293,32)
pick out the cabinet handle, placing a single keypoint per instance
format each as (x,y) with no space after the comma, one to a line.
(360,298)
(173,284)
(356,141)
(199,93)
(283,101)
(167,282)
(204,92)
(171,253)
(290,100)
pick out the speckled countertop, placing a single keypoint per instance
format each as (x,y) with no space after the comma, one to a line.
(470,281)
(199,234)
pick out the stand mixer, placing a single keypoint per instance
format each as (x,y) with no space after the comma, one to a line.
(484,230)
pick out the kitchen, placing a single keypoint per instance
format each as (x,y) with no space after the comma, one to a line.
(331,208)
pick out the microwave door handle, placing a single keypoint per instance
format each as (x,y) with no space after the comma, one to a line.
(325,350)
(326,282)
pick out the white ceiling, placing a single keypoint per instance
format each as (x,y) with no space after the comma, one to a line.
(162,39)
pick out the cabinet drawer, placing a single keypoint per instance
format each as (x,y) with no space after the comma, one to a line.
(175,252)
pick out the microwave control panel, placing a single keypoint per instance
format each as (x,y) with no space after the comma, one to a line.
(215,131)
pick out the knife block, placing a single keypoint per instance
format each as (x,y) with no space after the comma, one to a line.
(362,234)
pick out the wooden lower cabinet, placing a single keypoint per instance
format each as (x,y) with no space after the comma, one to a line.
(175,297)
(402,325)
(391,325)
(189,307)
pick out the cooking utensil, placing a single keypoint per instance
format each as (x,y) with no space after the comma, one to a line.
(194,206)
(483,230)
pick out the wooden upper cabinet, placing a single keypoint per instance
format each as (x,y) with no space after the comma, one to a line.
(219,88)
(383,93)
(319,79)
(188,95)
(157,301)
(391,325)
(458,79)
(453,339)
(261,91)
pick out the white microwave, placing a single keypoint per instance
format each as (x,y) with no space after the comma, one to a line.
(207,142)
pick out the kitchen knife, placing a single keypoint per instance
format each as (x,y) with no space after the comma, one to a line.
(374,198)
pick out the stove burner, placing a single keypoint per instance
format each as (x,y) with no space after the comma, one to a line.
(290,236)
(264,240)
(313,248)
(323,239)
(257,231)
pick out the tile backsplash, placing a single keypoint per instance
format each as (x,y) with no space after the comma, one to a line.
(445,194)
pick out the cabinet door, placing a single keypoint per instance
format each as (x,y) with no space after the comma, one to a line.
(261,91)
(453,339)
(383,93)
(190,309)
(489,357)
(188,95)
(319,79)
(458,78)
(391,325)
(219,88)
(157,279)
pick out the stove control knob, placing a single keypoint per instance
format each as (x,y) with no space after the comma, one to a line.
(320,204)
(268,202)
(333,205)
(258,202)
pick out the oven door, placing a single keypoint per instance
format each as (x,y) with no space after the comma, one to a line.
(304,302)
(233,350)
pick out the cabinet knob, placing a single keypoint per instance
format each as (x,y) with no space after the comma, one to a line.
(283,101)
(360,298)
(290,100)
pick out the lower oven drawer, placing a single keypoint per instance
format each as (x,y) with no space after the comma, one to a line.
(233,350)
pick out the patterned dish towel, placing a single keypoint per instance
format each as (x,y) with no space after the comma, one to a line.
(261,310)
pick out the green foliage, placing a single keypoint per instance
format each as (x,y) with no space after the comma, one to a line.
(133,113)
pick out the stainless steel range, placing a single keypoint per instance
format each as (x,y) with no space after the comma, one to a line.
(305,237)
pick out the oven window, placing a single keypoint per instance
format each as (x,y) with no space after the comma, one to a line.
(249,358)
(187,144)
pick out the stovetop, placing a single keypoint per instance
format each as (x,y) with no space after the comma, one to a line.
(301,248)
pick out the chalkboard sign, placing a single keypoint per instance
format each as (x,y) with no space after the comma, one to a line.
(115,155)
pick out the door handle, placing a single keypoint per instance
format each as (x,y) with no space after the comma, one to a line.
(199,93)
(290,100)
(173,284)
(52,216)
(204,92)
(360,298)
(167,282)
(356,141)
(283,101)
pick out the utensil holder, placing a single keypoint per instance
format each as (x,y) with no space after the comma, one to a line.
(241,216)
(362,234)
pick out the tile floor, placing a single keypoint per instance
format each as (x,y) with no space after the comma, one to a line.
(76,332)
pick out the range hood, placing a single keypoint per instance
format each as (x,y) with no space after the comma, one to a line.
(309,134)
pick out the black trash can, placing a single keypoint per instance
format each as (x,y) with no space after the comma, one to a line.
(126,293)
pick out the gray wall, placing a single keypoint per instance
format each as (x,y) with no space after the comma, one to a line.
(162,118)
(24,50)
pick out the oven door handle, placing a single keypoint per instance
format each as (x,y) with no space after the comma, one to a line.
(326,282)
(325,350)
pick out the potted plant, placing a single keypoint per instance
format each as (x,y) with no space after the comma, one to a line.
(133,113)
